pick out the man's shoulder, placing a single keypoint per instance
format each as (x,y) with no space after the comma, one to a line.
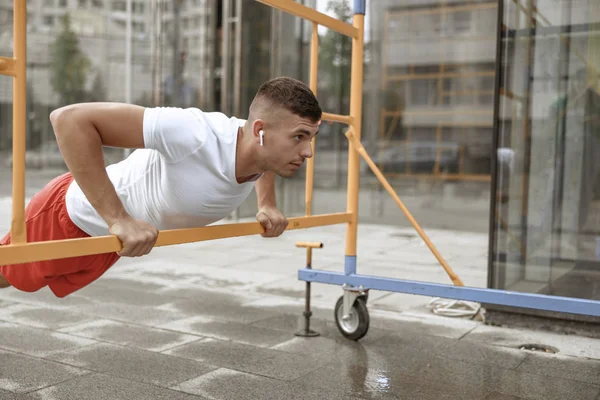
(191,119)
(187,112)
(218,118)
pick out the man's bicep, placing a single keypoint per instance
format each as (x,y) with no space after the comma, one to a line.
(119,125)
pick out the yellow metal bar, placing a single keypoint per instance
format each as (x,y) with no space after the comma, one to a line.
(314,69)
(312,15)
(438,149)
(313,245)
(446,177)
(344,119)
(7,66)
(449,9)
(57,249)
(18,232)
(436,112)
(437,75)
(356,92)
(309,247)
(354,140)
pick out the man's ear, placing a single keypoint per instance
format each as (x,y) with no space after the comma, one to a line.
(257,127)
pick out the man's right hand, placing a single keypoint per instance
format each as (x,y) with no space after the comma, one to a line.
(138,237)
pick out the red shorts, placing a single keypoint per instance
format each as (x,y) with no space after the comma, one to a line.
(46,218)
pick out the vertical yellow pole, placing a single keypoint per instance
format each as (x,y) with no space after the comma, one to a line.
(18,232)
(356,84)
(314,68)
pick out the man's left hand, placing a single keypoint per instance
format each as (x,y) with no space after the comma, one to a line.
(272,220)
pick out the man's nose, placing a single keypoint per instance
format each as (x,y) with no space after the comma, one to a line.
(307,150)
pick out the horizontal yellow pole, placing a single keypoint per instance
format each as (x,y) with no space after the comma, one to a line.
(446,9)
(441,176)
(345,119)
(310,14)
(8,66)
(57,249)
(361,150)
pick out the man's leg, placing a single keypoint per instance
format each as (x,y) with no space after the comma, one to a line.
(85,269)
(46,218)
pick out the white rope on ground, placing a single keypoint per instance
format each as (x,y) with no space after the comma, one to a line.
(453,308)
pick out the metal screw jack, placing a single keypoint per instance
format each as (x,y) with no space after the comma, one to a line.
(306,331)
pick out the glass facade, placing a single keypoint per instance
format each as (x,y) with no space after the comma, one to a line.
(545,231)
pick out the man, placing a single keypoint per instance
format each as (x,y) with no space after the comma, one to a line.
(192,168)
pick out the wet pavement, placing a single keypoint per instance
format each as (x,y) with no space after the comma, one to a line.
(217,320)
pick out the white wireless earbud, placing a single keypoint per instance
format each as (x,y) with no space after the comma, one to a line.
(261,133)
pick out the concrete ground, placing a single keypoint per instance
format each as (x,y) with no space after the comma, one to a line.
(216,320)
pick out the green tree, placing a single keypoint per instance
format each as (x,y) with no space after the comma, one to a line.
(70,66)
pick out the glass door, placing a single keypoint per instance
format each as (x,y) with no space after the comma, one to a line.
(545,231)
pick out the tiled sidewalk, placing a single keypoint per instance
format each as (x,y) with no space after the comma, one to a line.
(216,320)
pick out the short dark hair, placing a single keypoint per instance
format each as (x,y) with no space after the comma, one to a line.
(292,95)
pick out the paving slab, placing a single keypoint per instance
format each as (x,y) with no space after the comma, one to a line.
(42,317)
(285,366)
(21,374)
(6,395)
(499,396)
(43,298)
(222,353)
(560,366)
(138,314)
(137,336)
(104,387)
(226,384)
(422,323)
(571,345)
(292,323)
(228,330)
(529,384)
(134,364)
(367,384)
(456,349)
(131,295)
(325,327)
(38,342)
(219,305)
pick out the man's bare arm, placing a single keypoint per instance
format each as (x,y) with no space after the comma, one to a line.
(81,130)
(265,190)
(268,215)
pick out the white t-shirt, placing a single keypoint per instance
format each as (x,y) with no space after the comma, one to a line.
(184,177)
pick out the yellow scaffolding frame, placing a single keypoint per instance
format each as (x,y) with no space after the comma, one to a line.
(21,251)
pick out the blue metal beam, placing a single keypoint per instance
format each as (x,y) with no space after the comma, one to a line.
(480,295)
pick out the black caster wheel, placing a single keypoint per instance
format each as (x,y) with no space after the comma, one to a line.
(356,325)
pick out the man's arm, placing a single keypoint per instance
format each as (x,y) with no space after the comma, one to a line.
(265,190)
(268,215)
(81,130)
